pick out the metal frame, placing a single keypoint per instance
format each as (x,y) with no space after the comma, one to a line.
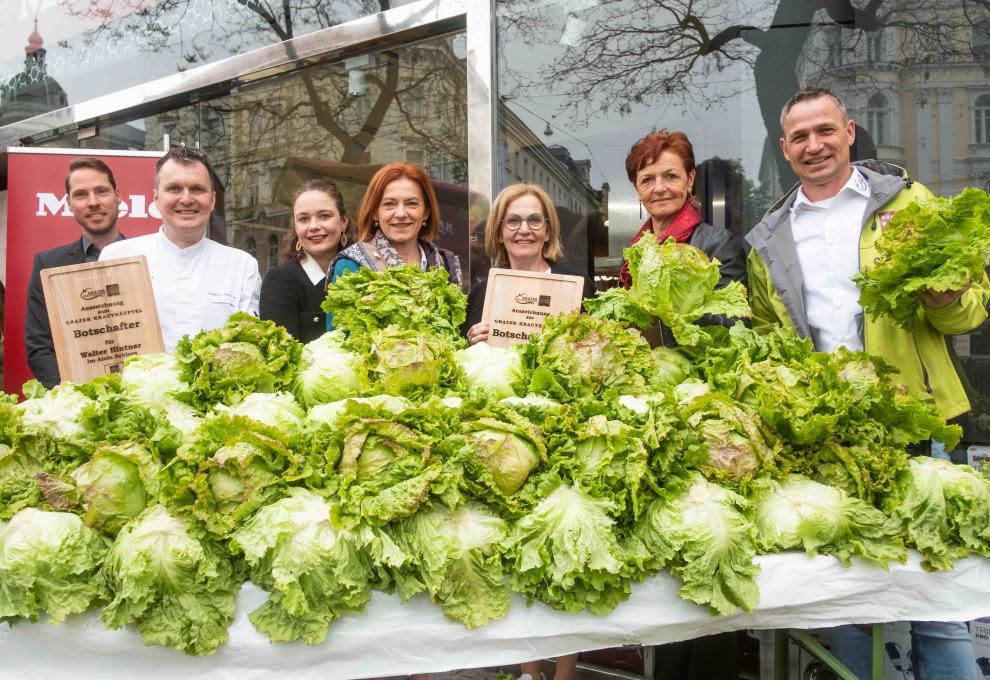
(781,649)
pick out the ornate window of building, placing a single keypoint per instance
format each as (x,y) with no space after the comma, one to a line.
(981,41)
(878,119)
(272,251)
(277,116)
(254,125)
(254,188)
(981,120)
(251,247)
(874,47)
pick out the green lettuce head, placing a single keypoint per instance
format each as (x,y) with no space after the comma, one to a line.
(492,371)
(65,412)
(49,564)
(800,513)
(943,510)
(328,414)
(153,379)
(673,281)
(579,357)
(328,371)
(176,586)
(246,355)
(739,447)
(279,410)
(390,463)
(116,485)
(566,553)
(18,480)
(940,244)
(702,534)
(455,557)
(366,302)
(673,368)
(409,363)
(610,461)
(314,571)
(233,466)
(502,449)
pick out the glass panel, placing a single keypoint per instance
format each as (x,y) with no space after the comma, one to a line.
(340,121)
(81,49)
(343,121)
(580,81)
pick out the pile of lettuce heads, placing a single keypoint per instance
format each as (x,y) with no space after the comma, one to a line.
(389,456)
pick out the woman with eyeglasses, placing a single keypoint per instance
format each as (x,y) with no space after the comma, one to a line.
(398,219)
(522,233)
(292,292)
(661,169)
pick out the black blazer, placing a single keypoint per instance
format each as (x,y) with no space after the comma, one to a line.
(37,331)
(290,299)
(476,298)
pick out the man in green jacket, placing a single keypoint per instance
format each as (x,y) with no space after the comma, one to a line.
(804,254)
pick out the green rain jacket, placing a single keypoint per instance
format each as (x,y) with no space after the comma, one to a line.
(776,290)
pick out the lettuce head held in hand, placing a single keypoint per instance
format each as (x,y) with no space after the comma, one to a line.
(933,244)
(675,282)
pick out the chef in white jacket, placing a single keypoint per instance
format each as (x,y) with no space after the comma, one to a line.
(198,283)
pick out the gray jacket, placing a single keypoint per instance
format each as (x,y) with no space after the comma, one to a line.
(773,241)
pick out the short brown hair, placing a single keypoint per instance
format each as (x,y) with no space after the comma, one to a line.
(807,94)
(331,190)
(376,189)
(552,249)
(183,155)
(90,164)
(649,149)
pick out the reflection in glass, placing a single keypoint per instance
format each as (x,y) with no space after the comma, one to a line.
(95,47)
(341,122)
(598,75)
(30,89)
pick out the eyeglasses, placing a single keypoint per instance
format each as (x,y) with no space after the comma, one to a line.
(535,222)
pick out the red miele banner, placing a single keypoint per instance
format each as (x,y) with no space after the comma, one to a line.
(38,218)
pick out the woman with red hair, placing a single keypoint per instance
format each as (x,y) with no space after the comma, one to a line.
(661,169)
(398,219)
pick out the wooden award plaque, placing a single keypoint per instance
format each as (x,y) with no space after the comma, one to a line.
(101,313)
(517,303)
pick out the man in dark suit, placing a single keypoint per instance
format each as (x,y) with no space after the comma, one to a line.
(93,200)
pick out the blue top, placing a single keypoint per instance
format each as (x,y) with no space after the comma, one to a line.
(342,267)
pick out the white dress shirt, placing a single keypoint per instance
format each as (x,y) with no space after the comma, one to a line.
(826,234)
(196,288)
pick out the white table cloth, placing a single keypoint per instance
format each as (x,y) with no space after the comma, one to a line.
(392,638)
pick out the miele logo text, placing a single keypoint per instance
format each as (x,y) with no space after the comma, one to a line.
(524,299)
(136,205)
